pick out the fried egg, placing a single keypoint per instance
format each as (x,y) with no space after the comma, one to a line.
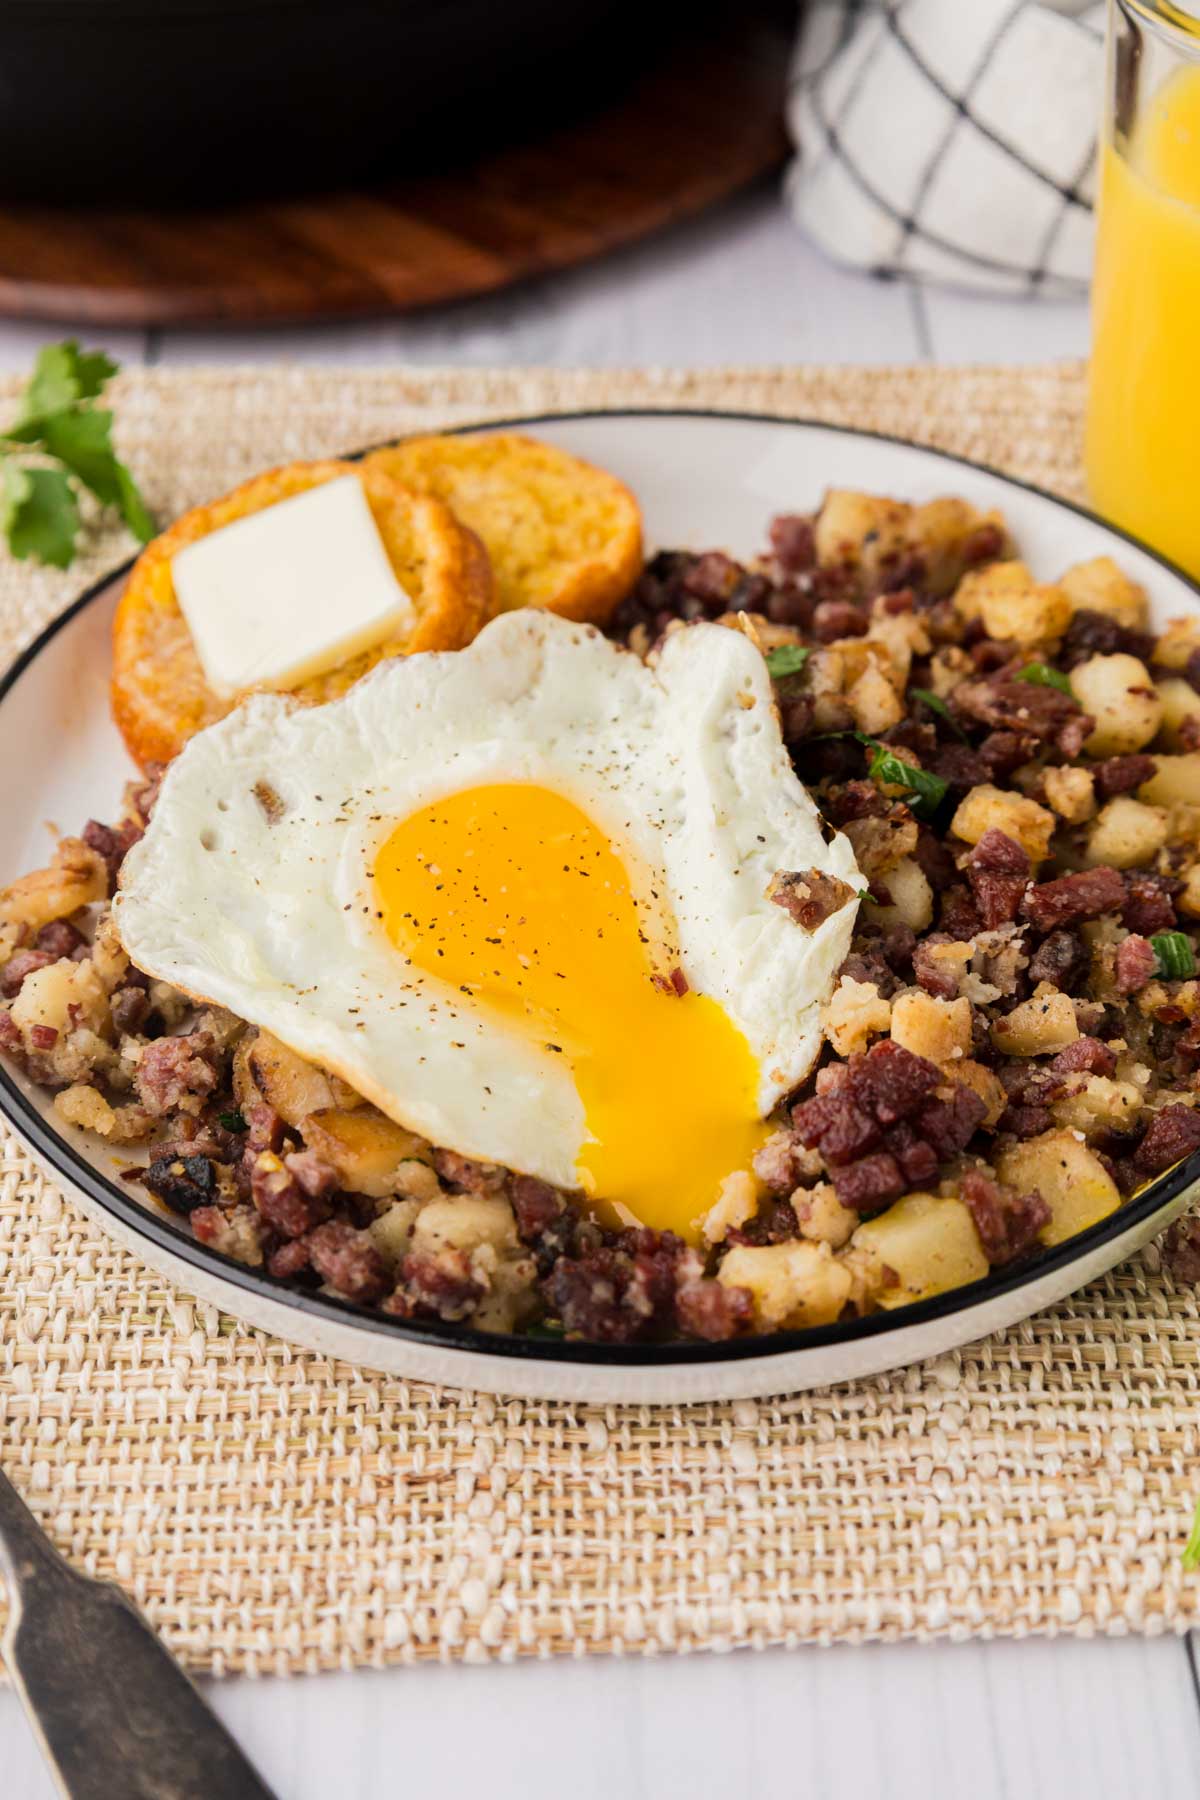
(517,896)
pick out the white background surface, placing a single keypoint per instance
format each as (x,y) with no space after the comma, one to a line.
(992,1721)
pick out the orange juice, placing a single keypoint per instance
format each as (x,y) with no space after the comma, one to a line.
(1143,429)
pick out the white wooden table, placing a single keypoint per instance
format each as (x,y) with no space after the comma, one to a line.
(995,1721)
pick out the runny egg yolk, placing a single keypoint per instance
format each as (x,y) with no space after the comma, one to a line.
(513,895)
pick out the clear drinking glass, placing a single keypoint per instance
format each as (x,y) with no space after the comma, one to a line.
(1143,424)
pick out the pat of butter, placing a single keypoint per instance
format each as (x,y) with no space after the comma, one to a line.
(291,591)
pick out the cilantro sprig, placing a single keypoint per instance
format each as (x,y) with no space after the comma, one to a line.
(1042,675)
(937,705)
(59,442)
(926,791)
(785,660)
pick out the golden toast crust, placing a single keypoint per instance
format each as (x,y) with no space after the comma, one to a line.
(159,694)
(561,533)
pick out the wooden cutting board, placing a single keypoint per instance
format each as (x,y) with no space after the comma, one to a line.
(690,129)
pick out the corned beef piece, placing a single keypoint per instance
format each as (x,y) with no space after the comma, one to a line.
(1174,1133)
(1073,898)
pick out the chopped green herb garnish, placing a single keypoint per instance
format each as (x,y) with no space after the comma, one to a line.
(1042,675)
(785,660)
(1191,1550)
(937,705)
(926,790)
(58,442)
(545,1330)
(232,1121)
(1176,958)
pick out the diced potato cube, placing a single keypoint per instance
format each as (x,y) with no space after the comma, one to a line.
(1040,1026)
(937,1029)
(736,1202)
(1100,586)
(826,671)
(857,655)
(391,1232)
(1180,702)
(874,701)
(856,1012)
(48,995)
(1031,616)
(984,1082)
(1126,834)
(295,1088)
(365,1147)
(1175,783)
(940,530)
(1189,900)
(911,897)
(948,668)
(345,1098)
(931,1243)
(1183,826)
(1071,1180)
(108,954)
(1071,791)
(1101,1103)
(1118,693)
(986,808)
(796,1283)
(849,522)
(997,582)
(245,1088)
(879,844)
(466,1222)
(76,877)
(1176,643)
(822,1217)
(86,1107)
(903,635)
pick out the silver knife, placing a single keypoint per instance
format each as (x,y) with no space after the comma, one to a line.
(115,1715)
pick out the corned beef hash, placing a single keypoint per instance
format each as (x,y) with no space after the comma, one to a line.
(792,940)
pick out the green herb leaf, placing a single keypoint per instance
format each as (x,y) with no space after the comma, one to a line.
(134,511)
(546,1330)
(45,522)
(1176,958)
(63,375)
(60,426)
(232,1121)
(786,659)
(81,442)
(937,705)
(926,789)
(93,369)
(1191,1550)
(1042,675)
(53,388)
(15,488)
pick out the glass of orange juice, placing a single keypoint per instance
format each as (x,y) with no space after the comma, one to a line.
(1143,423)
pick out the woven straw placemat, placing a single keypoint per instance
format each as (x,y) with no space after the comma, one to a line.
(273,1510)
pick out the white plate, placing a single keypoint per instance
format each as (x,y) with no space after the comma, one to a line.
(704,480)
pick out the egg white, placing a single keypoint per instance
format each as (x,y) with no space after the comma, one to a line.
(272,912)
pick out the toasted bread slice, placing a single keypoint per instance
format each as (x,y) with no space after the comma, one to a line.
(561,533)
(159,694)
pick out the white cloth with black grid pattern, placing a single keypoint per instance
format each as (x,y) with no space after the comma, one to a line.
(950,140)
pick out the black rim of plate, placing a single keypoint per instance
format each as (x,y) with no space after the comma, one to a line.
(160,1229)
